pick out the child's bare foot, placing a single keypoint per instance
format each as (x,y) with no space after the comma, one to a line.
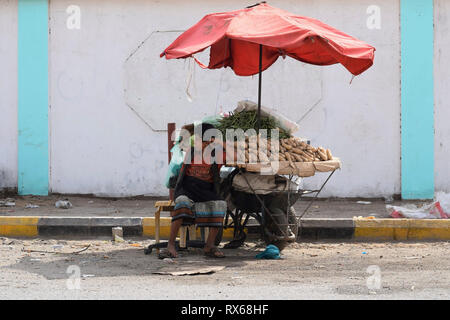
(172,251)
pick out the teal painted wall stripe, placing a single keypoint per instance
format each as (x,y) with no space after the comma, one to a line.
(32,46)
(417,132)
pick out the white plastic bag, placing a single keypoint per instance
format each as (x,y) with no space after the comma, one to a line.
(444,200)
(439,209)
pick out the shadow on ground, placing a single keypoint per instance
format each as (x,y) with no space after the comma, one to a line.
(123,261)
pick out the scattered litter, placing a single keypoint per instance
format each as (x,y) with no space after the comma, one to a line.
(206,270)
(444,200)
(412,288)
(35,259)
(31,206)
(388,199)
(372,292)
(412,258)
(439,209)
(169,260)
(118,239)
(361,217)
(8,203)
(117,233)
(427,211)
(42,252)
(138,245)
(57,246)
(90,201)
(363,202)
(63,204)
(364,252)
(88,275)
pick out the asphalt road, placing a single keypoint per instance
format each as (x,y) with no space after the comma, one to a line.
(49,269)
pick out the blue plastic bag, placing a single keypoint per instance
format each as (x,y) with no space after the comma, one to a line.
(271,252)
(176,162)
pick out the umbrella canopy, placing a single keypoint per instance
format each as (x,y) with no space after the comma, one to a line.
(251,39)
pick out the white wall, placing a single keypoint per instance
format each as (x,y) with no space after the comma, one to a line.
(111,95)
(8,94)
(360,122)
(442,95)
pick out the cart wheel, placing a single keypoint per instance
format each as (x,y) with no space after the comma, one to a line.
(280,244)
(271,229)
(269,239)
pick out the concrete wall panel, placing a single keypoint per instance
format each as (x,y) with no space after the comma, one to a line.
(106,140)
(442,94)
(8,94)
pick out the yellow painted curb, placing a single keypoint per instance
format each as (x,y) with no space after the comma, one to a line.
(19,226)
(148,229)
(401,229)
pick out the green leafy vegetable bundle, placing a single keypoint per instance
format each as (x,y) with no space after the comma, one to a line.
(248,120)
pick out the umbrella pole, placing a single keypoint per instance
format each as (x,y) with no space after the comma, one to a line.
(259,88)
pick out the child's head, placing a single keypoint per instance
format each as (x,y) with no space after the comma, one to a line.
(204,127)
(199,134)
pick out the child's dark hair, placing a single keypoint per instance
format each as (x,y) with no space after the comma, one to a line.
(205,127)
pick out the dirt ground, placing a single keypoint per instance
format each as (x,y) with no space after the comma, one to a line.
(44,269)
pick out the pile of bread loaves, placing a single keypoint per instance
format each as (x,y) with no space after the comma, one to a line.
(290,149)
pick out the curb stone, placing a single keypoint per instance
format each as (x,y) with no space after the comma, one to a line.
(311,228)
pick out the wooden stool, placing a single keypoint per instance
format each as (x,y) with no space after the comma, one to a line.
(168,206)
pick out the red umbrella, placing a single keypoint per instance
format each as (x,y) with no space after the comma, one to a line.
(250,40)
